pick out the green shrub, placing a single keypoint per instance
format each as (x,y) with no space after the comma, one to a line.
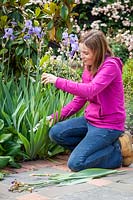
(114,18)
(120,50)
(110,15)
(128,86)
(128,79)
(129,116)
(62,69)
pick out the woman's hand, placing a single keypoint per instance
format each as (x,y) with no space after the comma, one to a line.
(48,78)
(50,120)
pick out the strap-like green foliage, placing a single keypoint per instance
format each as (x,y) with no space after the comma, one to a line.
(23,126)
(63,179)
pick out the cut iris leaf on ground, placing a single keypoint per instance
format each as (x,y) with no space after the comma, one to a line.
(63,179)
(1,176)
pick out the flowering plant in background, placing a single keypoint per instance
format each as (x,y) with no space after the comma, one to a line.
(24,44)
(26,29)
(29,30)
(70,43)
(61,67)
(69,51)
(125,38)
(114,18)
(32,30)
(67,63)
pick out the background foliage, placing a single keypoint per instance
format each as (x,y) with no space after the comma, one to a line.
(22,49)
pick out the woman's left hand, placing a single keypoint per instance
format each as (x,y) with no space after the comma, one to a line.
(48,78)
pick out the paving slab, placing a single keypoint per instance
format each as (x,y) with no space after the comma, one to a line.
(112,187)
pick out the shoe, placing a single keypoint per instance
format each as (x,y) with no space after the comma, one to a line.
(127,160)
(126,149)
(126,144)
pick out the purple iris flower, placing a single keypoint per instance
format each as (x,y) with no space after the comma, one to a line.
(40,35)
(65,38)
(75,46)
(37,30)
(12,37)
(28,24)
(66,42)
(72,53)
(73,38)
(9,33)
(31,31)
(64,35)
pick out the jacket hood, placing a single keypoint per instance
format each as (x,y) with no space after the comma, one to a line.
(117,60)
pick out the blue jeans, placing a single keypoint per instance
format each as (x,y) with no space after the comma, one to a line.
(91,147)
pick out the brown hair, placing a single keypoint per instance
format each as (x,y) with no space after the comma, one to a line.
(96,41)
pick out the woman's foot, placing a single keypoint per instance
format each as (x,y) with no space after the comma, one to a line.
(126,148)
(127,160)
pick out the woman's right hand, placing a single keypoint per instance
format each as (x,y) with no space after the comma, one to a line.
(48,78)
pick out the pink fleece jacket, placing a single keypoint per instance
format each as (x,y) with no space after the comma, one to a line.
(104,92)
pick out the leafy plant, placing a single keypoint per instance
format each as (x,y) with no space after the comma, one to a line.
(60,14)
(26,31)
(9,148)
(128,79)
(129,116)
(118,50)
(24,129)
(62,69)
(128,86)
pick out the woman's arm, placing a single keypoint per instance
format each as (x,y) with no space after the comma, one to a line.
(103,78)
(70,109)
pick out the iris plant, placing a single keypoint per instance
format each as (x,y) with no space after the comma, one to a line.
(32,30)
(72,41)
